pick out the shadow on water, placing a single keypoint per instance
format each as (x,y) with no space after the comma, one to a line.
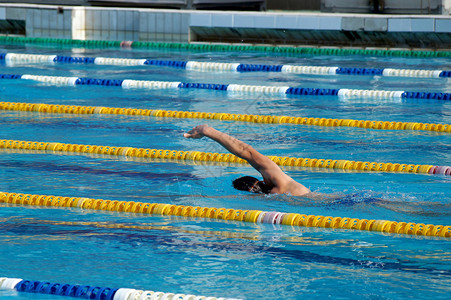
(151,236)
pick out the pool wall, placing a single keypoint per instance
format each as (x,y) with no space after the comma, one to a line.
(166,25)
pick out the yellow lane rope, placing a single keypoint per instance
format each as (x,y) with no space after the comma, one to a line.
(224,157)
(253,216)
(76,109)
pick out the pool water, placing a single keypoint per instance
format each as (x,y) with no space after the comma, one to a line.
(225,258)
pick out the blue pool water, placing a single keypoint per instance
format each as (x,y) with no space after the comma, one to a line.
(222,258)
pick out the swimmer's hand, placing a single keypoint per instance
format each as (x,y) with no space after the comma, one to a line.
(197,132)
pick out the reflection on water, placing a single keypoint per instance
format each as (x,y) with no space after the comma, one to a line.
(179,250)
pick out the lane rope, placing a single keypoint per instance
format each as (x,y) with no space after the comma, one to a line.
(279,50)
(226,157)
(91,291)
(252,216)
(233,88)
(17,58)
(261,119)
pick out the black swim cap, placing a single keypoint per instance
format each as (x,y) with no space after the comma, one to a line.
(244,183)
(251,184)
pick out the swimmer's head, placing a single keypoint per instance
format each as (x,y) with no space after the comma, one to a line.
(251,184)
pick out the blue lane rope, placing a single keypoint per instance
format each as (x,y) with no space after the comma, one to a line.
(216,66)
(281,90)
(78,291)
(167,63)
(59,289)
(90,292)
(10,76)
(105,82)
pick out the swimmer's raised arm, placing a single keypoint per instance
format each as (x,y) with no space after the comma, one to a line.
(235,146)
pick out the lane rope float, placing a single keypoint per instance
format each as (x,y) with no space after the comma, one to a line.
(226,157)
(234,88)
(252,216)
(91,291)
(262,119)
(280,50)
(18,58)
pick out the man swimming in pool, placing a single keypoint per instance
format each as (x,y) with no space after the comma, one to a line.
(275,181)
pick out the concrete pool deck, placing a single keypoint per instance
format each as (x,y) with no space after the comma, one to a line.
(186,26)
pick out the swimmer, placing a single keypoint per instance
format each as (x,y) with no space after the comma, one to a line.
(275,181)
